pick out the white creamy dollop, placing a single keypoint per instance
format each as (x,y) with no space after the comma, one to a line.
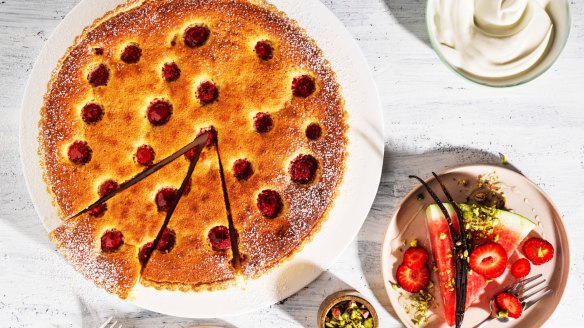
(492,39)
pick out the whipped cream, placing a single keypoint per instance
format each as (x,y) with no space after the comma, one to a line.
(492,39)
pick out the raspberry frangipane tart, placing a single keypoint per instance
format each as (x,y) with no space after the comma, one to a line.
(141,83)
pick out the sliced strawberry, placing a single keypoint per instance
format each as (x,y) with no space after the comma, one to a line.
(416,257)
(538,251)
(520,268)
(413,280)
(489,260)
(509,303)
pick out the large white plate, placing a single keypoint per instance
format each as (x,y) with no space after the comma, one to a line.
(364,162)
(522,196)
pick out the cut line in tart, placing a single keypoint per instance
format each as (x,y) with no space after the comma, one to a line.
(141,83)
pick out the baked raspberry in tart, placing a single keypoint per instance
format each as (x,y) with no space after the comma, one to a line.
(145,155)
(131,54)
(91,113)
(219,238)
(303,169)
(242,169)
(111,241)
(207,92)
(164,198)
(303,86)
(140,84)
(264,50)
(313,131)
(98,76)
(263,122)
(159,112)
(170,72)
(79,152)
(196,35)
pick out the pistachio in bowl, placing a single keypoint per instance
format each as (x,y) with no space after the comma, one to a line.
(347,309)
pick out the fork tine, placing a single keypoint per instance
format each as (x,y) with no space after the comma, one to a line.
(521,283)
(522,299)
(538,298)
(113,325)
(105,323)
(528,288)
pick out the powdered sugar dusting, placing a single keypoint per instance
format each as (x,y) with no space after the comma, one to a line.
(77,241)
(245,85)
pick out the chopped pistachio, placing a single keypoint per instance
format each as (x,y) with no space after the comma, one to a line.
(462,182)
(502,314)
(503,159)
(414,243)
(349,314)
(368,323)
(442,236)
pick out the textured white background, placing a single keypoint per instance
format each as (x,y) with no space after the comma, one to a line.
(433,120)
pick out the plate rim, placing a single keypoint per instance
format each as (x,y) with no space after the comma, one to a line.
(29,151)
(385,249)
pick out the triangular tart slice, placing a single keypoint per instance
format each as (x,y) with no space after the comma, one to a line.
(194,251)
(104,243)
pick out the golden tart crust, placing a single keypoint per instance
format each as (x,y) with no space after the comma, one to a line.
(246,85)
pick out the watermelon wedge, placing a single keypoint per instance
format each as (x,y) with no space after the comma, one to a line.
(511,230)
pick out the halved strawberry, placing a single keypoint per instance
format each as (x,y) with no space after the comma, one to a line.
(538,251)
(413,280)
(489,260)
(416,257)
(509,303)
(520,268)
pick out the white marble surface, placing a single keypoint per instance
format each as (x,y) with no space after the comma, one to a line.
(433,120)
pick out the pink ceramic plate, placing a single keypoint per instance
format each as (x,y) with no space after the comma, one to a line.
(523,197)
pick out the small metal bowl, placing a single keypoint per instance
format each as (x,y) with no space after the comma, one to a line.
(341,296)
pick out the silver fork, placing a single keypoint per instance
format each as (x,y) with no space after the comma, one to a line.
(519,290)
(111,324)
